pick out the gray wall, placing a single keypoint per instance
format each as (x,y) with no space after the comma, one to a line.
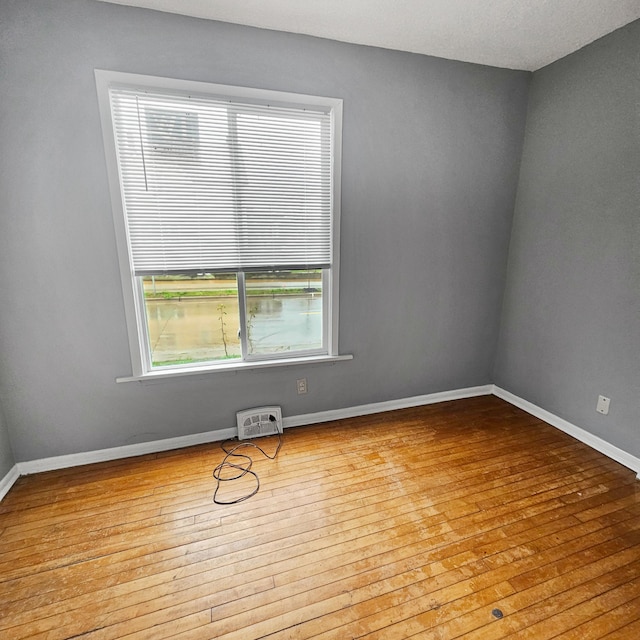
(431,153)
(571,322)
(6,453)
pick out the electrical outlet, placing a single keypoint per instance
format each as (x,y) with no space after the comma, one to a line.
(603,405)
(301,384)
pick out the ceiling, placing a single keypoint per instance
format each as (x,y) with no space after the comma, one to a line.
(516,34)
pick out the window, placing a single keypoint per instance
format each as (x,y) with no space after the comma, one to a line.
(226,212)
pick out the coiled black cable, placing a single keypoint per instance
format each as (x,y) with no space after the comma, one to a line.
(243,468)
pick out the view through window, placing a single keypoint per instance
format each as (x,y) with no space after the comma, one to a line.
(195,319)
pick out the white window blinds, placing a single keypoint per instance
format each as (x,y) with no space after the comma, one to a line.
(212,185)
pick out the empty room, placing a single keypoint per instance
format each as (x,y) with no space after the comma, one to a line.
(319,319)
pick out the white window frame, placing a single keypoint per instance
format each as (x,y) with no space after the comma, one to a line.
(135,314)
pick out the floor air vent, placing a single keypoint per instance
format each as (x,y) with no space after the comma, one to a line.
(261,421)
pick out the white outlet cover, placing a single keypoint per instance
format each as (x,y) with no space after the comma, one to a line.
(603,405)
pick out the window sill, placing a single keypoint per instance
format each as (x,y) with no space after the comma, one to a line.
(240,366)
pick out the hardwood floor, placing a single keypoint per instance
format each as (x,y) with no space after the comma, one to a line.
(467,519)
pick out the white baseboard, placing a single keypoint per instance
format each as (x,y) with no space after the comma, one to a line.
(389,405)
(128,451)
(143,448)
(7,482)
(594,442)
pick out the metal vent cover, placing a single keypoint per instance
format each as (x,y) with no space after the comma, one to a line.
(259,421)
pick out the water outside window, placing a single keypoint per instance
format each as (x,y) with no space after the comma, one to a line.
(284,312)
(196,319)
(192,319)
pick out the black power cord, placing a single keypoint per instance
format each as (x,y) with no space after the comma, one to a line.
(243,468)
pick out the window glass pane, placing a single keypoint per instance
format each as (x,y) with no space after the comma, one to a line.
(284,311)
(192,319)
